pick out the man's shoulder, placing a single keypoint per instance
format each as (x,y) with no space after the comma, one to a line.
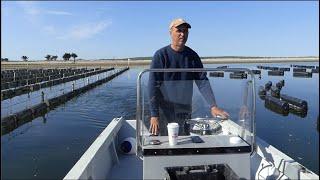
(162,50)
(188,49)
(158,57)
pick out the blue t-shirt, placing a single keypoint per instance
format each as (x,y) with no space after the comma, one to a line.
(173,89)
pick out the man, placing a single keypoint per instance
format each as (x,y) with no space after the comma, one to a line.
(171,92)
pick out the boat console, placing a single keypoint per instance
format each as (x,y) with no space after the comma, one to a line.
(207,147)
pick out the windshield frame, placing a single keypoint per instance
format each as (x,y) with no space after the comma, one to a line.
(139,107)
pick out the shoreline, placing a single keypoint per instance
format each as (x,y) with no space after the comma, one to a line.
(121,63)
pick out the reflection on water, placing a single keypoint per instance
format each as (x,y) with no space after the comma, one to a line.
(301,114)
(49,146)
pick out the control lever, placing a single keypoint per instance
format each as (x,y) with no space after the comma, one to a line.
(196,139)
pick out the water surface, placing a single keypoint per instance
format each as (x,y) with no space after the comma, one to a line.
(49,146)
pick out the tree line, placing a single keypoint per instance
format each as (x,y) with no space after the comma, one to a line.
(48,57)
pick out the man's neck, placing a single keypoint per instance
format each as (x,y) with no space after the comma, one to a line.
(177,47)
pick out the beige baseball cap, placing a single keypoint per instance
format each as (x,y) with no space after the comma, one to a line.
(178,22)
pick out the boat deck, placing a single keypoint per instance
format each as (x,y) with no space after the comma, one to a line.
(265,163)
(129,167)
(104,161)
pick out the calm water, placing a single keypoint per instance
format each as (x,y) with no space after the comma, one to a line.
(49,146)
(19,103)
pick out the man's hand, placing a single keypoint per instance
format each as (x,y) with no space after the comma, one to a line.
(244,112)
(154,125)
(215,111)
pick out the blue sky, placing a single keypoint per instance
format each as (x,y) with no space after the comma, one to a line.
(104,29)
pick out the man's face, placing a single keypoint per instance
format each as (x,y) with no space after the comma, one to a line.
(179,35)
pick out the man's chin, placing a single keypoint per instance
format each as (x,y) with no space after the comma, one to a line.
(182,43)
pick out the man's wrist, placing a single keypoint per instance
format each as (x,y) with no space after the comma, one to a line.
(154,114)
(214,106)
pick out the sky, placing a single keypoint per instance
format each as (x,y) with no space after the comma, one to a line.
(113,29)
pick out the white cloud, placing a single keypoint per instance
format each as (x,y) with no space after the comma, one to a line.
(35,14)
(32,9)
(29,7)
(49,29)
(86,31)
(59,13)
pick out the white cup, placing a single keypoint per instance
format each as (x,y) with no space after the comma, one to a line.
(173,131)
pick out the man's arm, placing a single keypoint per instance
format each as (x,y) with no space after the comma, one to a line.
(205,89)
(155,79)
(244,111)
(154,84)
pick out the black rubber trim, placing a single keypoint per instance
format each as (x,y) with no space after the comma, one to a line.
(196,151)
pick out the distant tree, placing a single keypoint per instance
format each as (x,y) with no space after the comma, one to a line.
(48,57)
(54,58)
(4,59)
(74,55)
(25,58)
(66,56)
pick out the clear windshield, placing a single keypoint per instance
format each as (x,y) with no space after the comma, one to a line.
(187,97)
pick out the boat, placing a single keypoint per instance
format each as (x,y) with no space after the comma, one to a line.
(229,149)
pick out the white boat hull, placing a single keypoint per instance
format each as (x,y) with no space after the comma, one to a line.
(104,161)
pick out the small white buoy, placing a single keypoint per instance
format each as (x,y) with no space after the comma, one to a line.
(235,140)
(128,145)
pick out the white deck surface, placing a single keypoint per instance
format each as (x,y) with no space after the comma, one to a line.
(129,167)
(103,161)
